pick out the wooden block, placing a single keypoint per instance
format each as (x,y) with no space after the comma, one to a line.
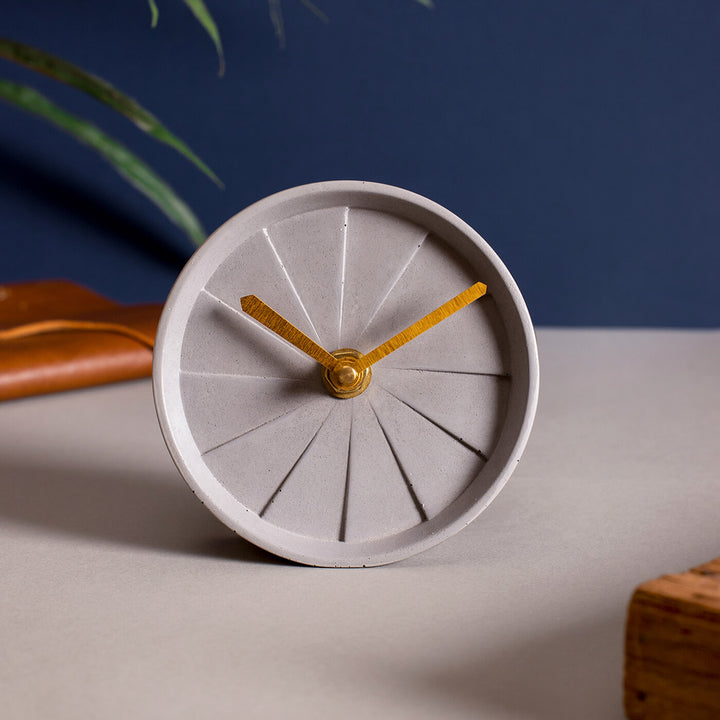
(672,647)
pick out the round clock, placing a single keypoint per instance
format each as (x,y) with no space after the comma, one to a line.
(345,374)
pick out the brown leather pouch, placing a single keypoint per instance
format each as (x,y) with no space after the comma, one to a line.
(57,335)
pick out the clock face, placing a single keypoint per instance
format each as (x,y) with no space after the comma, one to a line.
(369,479)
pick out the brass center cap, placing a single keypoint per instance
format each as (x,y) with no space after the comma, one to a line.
(346,381)
(347,375)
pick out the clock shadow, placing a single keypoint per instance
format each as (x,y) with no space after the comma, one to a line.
(108,506)
(563,672)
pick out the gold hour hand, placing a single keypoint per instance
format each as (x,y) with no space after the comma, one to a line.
(445,310)
(272,320)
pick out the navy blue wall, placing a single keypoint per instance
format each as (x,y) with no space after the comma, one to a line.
(580,138)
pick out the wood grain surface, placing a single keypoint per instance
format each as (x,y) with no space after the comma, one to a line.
(672,650)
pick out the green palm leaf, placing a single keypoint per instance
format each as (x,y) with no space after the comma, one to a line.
(206,20)
(63,71)
(315,10)
(153,13)
(134,170)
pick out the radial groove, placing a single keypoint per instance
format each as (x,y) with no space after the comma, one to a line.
(223,303)
(462,442)
(408,484)
(255,323)
(343,518)
(500,376)
(252,429)
(290,471)
(346,217)
(392,287)
(210,373)
(290,282)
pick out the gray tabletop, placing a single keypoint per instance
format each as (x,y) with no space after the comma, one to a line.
(122,596)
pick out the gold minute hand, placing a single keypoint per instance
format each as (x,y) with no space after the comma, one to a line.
(272,320)
(445,310)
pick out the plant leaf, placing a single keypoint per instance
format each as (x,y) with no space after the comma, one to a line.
(63,71)
(204,17)
(131,167)
(154,13)
(316,11)
(276,17)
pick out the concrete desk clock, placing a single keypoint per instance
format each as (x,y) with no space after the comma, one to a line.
(345,374)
